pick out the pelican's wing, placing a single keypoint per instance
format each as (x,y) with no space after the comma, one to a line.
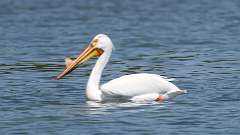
(168,79)
(138,84)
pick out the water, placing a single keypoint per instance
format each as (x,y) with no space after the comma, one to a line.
(196,42)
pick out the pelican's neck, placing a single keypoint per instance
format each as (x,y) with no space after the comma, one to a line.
(93,91)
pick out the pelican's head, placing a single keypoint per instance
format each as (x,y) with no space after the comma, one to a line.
(99,44)
(103,42)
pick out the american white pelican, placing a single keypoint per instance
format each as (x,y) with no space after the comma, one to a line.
(134,87)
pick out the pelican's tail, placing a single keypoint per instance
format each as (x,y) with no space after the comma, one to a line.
(184,91)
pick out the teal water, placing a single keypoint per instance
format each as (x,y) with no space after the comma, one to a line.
(195,42)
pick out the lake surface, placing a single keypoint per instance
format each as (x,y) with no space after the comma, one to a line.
(195,42)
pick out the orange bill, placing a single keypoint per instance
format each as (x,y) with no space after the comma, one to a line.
(89,52)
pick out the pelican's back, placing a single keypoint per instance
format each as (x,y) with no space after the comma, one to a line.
(138,84)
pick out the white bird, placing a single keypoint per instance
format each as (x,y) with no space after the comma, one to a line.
(134,87)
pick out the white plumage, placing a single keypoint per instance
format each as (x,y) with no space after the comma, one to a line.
(137,84)
(135,87)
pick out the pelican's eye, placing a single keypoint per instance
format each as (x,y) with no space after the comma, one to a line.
(94,42)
